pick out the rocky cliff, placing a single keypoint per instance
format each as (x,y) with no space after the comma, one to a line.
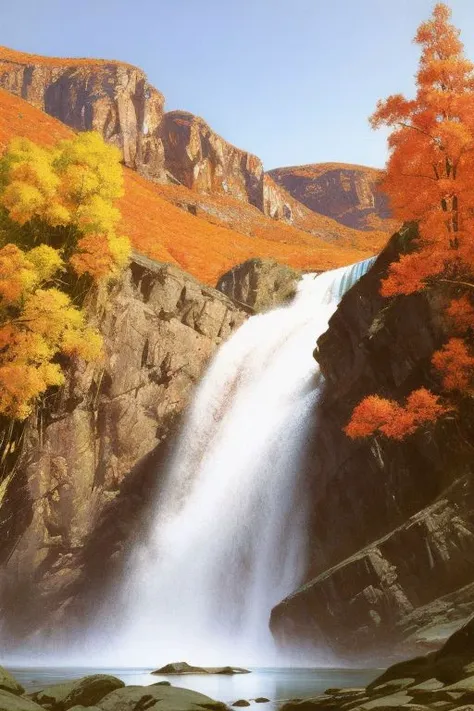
(112,98)
(347,193)
(175,148)
(392,532)
(91,460)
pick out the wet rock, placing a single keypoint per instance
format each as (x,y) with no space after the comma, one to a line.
(392,686)
(168,698)
(241,702)
(9,683)
(320,703)
(261,700)
(185,668)
(383,702)
(84,692)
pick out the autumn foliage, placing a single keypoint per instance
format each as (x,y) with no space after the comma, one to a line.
(58,227)
(378,415)
(430,180)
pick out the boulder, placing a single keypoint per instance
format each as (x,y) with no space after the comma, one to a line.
(259,284)
(168,698)
(82,692)
(9,683)
(13,702)
(241,702)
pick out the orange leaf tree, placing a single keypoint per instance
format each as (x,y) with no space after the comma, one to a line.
(429,179)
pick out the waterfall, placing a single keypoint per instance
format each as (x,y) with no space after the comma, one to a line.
(228,540)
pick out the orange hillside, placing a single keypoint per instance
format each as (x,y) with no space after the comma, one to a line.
(167,233)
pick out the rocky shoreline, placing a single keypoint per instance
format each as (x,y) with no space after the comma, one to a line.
(438,681)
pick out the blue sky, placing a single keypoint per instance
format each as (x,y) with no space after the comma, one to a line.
(290,80)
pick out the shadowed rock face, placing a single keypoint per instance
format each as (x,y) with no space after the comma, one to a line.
(347,193)
(392,533)
(90,464)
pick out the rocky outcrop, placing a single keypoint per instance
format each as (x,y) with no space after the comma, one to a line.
(90,463)
(260,284)
(347,193)
(87,691)
(440,680)
(392,534)
(185,668)
(112,98)
(200,159)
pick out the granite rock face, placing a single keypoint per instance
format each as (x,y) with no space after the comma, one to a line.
(391,530)
(347,193)
(88,467)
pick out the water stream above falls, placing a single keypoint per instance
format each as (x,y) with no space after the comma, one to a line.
(228,541)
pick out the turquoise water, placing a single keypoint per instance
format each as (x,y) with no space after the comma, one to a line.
(275,684)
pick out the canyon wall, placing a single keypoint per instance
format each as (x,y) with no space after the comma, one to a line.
(392,529)
(91,461)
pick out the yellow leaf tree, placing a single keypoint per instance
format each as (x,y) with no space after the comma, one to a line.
(58,226)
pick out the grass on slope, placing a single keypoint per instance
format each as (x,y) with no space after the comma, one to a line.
(164,232)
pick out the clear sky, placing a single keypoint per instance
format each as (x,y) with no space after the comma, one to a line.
(290,80)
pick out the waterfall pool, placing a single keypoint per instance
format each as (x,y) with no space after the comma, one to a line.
(274,683)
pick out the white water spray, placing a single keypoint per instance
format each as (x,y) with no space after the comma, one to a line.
(228,541)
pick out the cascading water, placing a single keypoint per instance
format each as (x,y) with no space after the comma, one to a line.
(228,541)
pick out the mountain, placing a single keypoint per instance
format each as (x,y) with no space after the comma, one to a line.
(347,193)
(196,168)
(206,243)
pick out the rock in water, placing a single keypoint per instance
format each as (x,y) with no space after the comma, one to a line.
(166,698)
(9,683)
(82,692)
(241,702)
(185,668)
